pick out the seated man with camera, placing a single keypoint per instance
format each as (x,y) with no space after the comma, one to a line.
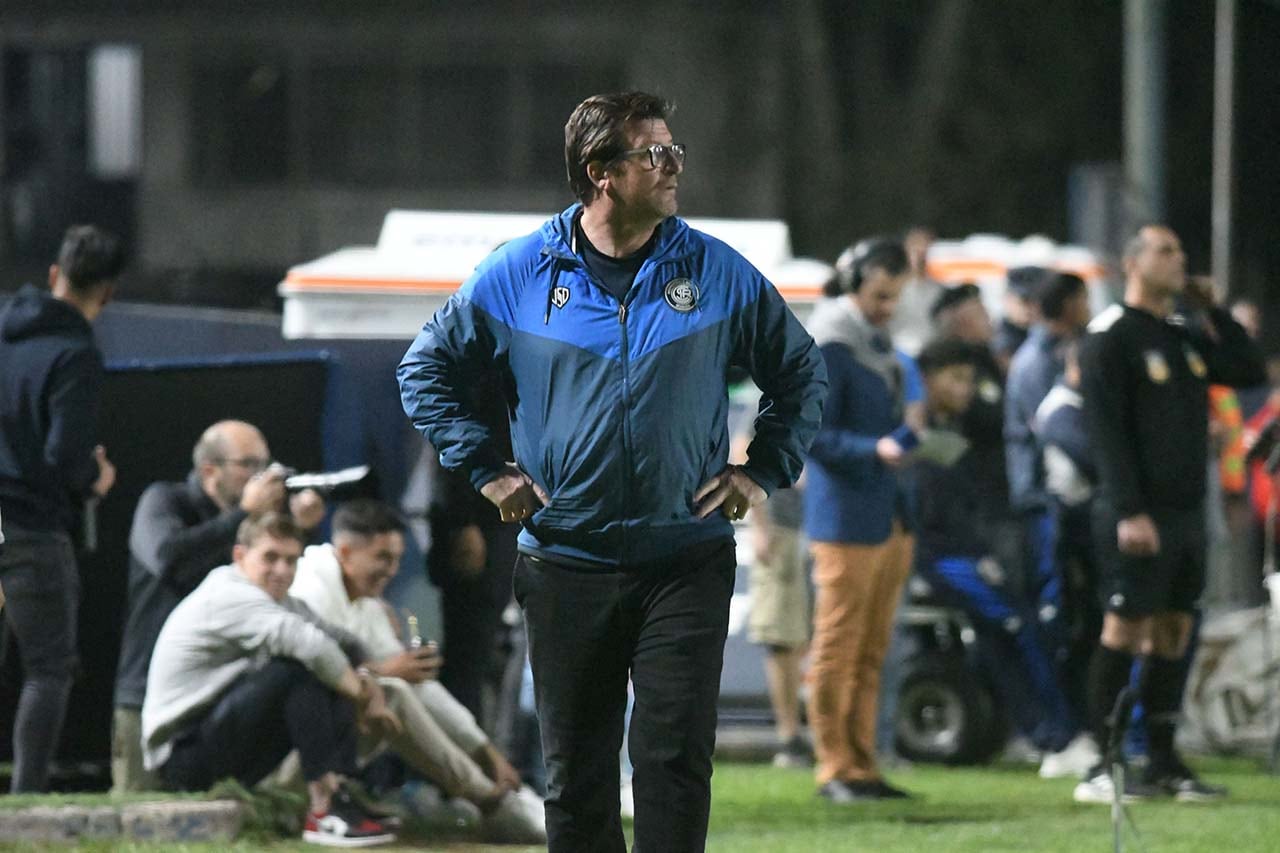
(181,532)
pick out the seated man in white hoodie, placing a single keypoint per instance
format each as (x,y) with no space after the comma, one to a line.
(343,582)
(242,674)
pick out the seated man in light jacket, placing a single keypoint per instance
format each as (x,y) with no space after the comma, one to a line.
(242,674)
(343,583)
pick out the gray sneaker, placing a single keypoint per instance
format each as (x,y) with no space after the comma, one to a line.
(518,818)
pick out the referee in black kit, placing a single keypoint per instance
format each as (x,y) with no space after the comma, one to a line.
(1146,367)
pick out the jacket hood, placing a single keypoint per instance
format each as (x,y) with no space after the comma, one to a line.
(35,313)
(837,320)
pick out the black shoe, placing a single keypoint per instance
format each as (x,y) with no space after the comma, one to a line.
(794,753)
(885,791)
(1179,781)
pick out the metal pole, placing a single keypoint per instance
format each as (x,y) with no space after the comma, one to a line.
(1144,112)
(1223,135)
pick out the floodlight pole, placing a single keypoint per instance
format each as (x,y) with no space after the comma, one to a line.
(1144,112)
(1224,45)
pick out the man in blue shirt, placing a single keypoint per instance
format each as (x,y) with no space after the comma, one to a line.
(614,327)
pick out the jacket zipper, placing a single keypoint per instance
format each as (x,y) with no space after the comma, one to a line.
(626,430)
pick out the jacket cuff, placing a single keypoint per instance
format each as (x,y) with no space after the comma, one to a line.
(764,479)
(906,437)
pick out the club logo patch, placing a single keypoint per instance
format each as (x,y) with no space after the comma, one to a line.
(989,391)
(559,296)
(1196,363)
(681,294)
(1157,367)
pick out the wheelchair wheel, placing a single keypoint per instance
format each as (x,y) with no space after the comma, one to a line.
(946,714)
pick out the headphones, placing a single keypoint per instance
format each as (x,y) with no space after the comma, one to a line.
(851,266)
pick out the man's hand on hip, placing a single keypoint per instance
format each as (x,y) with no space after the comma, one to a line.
(515,494)
(732,491)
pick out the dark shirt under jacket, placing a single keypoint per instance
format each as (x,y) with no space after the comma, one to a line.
(1145,382)
(178,536)
(614,274)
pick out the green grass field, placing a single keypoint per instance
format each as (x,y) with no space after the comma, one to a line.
(758,808)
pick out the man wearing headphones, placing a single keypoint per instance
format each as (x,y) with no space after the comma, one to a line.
(854,515)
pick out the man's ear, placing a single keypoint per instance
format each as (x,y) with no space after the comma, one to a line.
(54,272)
(237,552)
(598,174)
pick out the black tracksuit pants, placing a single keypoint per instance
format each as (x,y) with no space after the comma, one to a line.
(662,624)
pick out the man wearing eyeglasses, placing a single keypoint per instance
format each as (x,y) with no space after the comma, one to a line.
(614,326)
(181,532)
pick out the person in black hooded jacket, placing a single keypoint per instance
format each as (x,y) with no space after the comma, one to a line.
(50,380)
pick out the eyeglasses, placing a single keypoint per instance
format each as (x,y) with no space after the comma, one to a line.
(658,154)
(249,463)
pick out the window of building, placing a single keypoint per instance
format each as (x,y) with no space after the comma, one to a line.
(355,116)
(465,133)
(240,121)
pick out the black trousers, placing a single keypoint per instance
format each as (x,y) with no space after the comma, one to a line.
(662,624)
(257,722)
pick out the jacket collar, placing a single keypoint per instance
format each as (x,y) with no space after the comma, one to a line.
(558,241)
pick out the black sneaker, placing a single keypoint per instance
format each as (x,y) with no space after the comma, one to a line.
(794,753)
(344,824)
(885,791)
(1180,782)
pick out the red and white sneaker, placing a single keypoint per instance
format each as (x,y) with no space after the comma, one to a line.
(345,824)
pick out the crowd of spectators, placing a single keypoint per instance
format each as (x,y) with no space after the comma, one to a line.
(999,521)
(953,447)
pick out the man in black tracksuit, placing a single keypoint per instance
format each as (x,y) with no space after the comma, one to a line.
(50,379)
(1145,373)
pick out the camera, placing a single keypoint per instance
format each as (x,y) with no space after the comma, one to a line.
(347,482)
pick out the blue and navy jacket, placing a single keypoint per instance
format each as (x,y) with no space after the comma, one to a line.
(617,409)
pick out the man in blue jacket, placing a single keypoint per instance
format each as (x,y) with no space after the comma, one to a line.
(50,379)
(614,326)
(854,517)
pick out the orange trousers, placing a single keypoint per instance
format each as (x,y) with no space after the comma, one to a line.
(858,587)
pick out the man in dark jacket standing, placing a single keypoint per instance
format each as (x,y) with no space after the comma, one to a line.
(614,327)
(50,380)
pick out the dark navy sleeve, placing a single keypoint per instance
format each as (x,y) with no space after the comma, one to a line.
(786,365)
(72,410)
(449,354)
(837,447)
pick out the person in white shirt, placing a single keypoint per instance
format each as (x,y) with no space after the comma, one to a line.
(343,582)
(242,674)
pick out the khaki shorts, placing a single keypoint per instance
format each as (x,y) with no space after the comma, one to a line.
(780,594)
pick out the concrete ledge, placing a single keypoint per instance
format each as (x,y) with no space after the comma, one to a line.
(215,820)
(59,823)
(174,820)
